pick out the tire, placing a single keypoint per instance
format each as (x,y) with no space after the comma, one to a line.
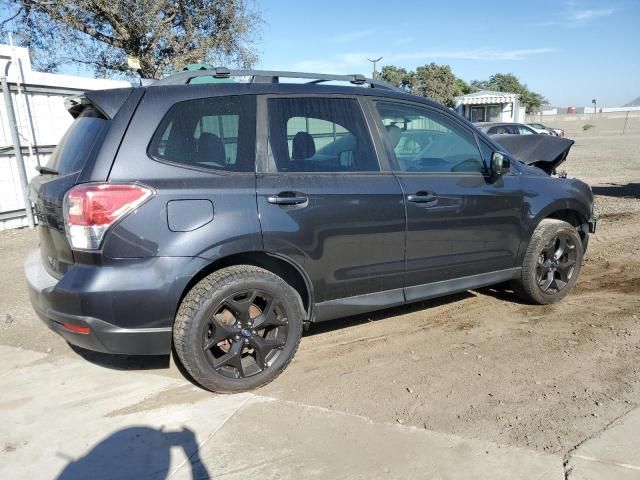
(238,329)
(551,264)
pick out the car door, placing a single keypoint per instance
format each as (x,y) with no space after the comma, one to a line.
(324,202)
(459,222)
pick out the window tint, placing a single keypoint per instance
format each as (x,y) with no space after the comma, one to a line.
(82,140)
(525,131)
(503,130)
(486,151)
(319,135)
(426,141)
(216,133)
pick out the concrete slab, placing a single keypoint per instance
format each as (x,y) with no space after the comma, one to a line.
(278,439)
(16,357)
(71,419)
(614,453)
(590,469)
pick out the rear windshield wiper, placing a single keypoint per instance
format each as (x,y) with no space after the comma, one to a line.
(46,170)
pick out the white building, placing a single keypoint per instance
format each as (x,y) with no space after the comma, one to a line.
(38,102)
(490,106)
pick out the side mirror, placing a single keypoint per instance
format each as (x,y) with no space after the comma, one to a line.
(500,165)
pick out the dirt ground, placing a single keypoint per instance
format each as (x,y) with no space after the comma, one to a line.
(479,364)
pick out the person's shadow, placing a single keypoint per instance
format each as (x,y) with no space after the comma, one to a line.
(136,453)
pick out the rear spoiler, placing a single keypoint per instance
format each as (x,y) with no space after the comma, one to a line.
(108,102)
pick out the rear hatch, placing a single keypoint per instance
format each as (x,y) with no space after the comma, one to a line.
(76,151)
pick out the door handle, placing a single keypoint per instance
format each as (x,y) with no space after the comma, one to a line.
(287,198)
(423,197)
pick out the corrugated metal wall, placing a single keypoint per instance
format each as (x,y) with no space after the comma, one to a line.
(44,128)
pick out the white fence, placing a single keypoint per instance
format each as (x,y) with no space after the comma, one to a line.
(11,200)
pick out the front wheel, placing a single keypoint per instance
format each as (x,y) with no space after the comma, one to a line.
(551,264)
(238,328)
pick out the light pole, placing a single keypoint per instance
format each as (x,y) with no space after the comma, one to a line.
(373,76)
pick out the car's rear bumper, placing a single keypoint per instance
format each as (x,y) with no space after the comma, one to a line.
(126,308)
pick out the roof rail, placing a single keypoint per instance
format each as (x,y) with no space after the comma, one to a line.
(268,76)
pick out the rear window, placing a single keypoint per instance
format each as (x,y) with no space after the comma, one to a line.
(81,142)
(215,133)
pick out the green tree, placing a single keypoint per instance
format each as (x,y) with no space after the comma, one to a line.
(436,82)
(508,82)
(462,87)
(396,76)
(164,35)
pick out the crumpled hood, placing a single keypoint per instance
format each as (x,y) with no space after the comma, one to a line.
(546,152)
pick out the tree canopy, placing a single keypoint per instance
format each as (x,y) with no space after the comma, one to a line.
(163,35)
(508,82)
(433,81)
(438,83)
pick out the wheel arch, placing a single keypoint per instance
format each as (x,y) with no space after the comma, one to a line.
(572,217)
(285,268)
(570,211)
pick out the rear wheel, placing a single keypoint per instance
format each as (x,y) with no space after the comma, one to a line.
(552,263)
(238,328)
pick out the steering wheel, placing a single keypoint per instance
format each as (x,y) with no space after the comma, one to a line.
(424,149)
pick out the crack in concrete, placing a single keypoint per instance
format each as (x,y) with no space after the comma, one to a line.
(570,453)
(199,447)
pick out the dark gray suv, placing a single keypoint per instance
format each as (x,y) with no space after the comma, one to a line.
(223,217)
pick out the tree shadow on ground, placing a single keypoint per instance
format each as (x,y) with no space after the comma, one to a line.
(630,190)
(136,452)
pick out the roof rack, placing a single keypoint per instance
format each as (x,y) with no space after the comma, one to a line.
(268,76)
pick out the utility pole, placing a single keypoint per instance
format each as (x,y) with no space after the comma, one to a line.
(15,136)
(375,73)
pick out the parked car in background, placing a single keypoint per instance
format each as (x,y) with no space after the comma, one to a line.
(509,128)
(558,132)
(222,219)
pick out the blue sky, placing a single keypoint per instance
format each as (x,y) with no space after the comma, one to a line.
(570,51)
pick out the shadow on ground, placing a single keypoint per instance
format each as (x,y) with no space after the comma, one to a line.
(123,362)
(379,315)
(630,190)
(136,452)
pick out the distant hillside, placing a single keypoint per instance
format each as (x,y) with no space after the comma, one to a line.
(635,103)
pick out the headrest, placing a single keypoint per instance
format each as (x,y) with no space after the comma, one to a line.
(303,146)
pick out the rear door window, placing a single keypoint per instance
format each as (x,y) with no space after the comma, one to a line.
(213,133)
(81,142)
(319,135)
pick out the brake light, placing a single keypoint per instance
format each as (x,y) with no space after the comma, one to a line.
(91,208)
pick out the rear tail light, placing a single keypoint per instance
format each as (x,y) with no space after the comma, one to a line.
(76,328)
(91,208)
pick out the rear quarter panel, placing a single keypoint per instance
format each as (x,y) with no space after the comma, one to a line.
(234,228)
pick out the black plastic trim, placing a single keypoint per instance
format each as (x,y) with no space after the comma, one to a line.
(345,307)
